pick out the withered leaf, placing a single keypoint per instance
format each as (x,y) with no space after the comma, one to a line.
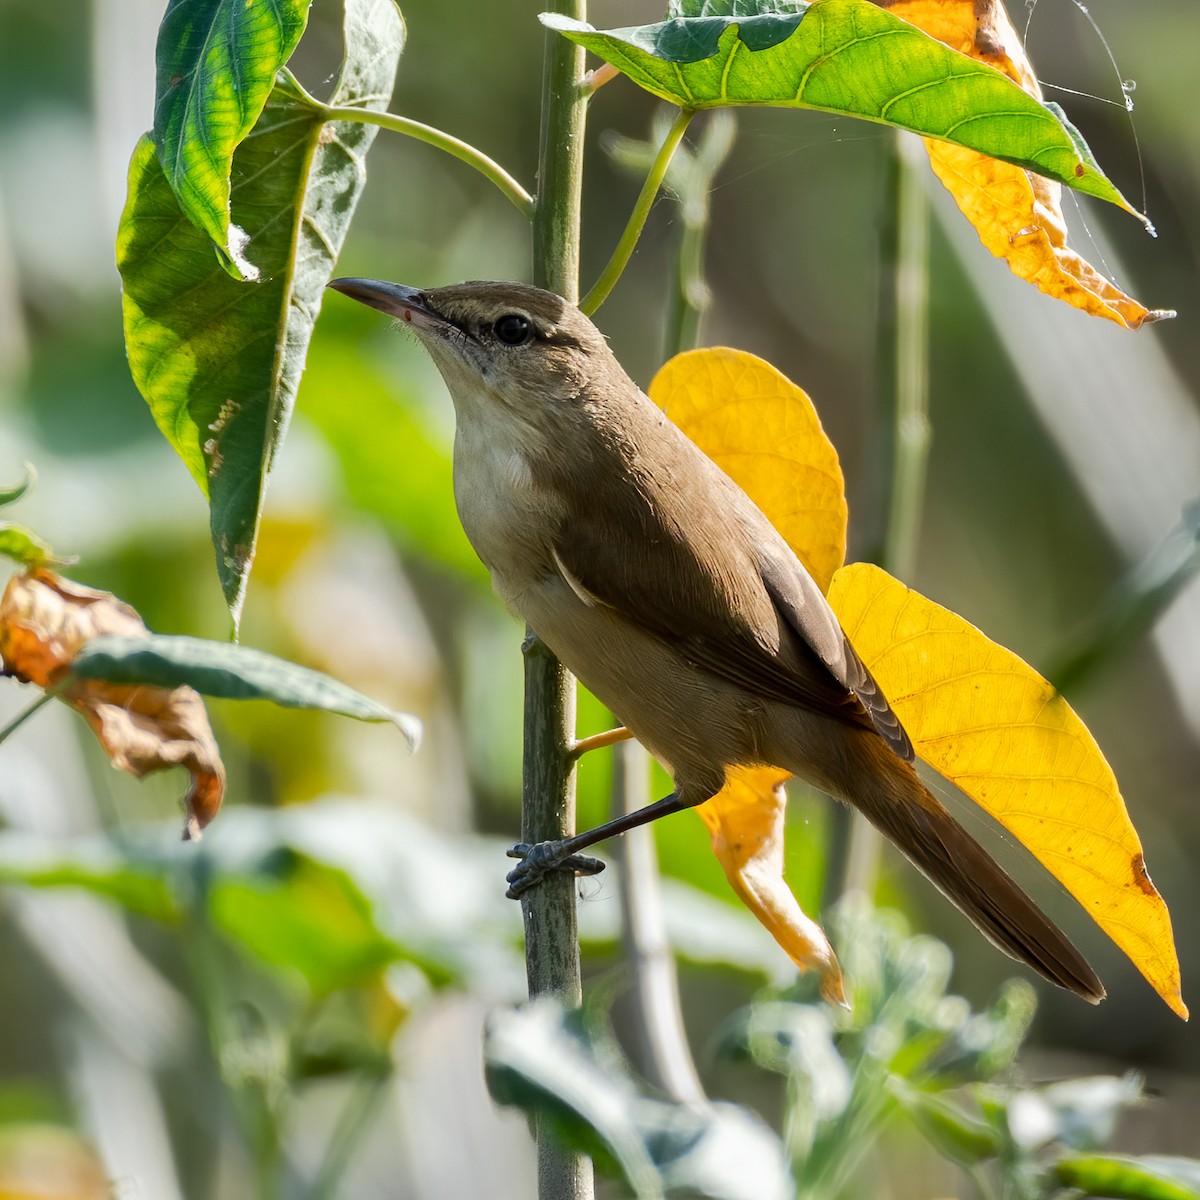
(1018,215)
(45,620)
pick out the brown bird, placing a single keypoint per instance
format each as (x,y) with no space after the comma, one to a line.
(659,583)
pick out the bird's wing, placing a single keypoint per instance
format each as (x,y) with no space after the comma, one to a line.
(754,616)
(800,603)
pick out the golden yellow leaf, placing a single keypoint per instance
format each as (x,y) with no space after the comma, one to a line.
(1018,215)
(746,822)
(994,727)
(763,431)
(45,620)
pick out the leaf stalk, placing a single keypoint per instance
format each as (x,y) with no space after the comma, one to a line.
(431,136)
(637,219)
(27,712)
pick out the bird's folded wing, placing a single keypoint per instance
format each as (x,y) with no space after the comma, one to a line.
(807,613)
(744,613)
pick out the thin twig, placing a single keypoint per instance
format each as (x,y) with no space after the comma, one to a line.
(27,712)
(637,219)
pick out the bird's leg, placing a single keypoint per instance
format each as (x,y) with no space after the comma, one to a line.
(598,741)
(563,855)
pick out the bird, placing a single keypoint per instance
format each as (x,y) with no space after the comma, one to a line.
(671,596)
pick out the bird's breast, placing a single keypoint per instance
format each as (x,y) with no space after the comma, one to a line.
(508,517)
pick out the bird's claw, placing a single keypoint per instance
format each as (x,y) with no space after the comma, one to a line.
(538,859)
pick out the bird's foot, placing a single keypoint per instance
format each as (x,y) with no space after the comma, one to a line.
(541,858)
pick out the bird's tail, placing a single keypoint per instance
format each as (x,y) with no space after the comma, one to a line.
(899,805)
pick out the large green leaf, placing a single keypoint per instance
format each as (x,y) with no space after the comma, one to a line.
(217,360)
(851,57)
(216,65)
(234,672)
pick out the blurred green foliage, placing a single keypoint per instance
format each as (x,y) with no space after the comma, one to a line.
(903,1051)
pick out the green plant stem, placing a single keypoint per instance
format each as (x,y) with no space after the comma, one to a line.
(690,295)
(911,432)
(548,780)
(912,364)
(431,136)
(689,298)
(637,219)
(353,1123)
(27,712)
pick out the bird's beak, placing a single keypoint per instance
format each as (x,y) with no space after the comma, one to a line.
(406,304)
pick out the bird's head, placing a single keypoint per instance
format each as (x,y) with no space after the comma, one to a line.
(507,344)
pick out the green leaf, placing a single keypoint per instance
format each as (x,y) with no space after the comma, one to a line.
(543,1059)
(25,546)
(1155,1177)
(230,671)
(844,56)
(795,1040)
(88,863)
(9,495)
(219,361)
(332,890)
(216,66)
(954,1133)
(733,8)
(294,912)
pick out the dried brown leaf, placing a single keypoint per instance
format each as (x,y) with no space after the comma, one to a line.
(45,620)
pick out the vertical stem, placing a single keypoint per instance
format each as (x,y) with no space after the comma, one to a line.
(912,363)
(911,433)
(548,783)
(557,208)
(690,295)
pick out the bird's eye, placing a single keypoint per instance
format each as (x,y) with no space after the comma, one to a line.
(513,329)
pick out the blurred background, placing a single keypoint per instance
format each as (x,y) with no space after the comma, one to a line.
(356,931)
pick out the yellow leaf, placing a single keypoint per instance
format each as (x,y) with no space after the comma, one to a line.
(746,822)
(994,727)
(762,430)
(1017,214)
